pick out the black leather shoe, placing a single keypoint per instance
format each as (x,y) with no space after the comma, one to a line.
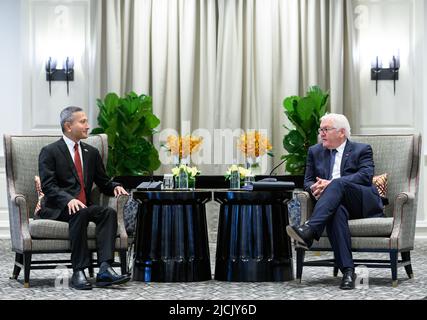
(79,281)
(348,280)
(110,277)
(303,235)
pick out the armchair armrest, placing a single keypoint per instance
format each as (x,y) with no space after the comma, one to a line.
(306,205)
(118,205)
(19,223)
(404,220)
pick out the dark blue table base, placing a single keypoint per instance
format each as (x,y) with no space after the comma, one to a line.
(172,240)
(172,271)
(253,270)
(252,244)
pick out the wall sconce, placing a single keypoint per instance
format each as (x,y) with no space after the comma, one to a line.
(64,74)
(380,73)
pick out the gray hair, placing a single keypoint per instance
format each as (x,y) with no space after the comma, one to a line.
(339,121)
(67,115)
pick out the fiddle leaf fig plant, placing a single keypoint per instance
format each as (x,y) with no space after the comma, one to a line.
(304,113)
(130,124)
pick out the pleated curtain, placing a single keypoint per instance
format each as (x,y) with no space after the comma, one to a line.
(225,64)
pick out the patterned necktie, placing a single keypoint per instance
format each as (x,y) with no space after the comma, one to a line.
(78,164)
(332,162)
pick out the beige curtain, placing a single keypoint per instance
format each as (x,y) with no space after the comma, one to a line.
(224,64)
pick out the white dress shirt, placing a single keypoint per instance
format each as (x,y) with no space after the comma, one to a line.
(70,145)
(336,171)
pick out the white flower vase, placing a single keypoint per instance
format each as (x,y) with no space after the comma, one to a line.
(254,164)
(185,161)
(176,161)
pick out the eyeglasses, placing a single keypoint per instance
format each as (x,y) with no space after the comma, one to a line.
(325,130)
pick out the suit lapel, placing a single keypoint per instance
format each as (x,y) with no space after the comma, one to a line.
(85,155)
(62,146)
(346,154)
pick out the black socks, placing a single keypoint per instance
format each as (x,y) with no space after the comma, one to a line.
(104,266)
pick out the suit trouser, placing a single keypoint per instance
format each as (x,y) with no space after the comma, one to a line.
(105,219)
(340,202)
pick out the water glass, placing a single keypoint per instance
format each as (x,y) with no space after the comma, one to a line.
(235,179)
(249,180)
(168,181)
(182,179)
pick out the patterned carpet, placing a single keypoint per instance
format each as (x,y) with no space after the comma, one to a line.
(318,284)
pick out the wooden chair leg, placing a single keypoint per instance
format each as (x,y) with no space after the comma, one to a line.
(393,264)
(27,268)
(300,262)
(123,261)
(19,258)
(406,256)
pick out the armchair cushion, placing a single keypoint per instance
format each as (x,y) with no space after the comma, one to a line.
(52,229)
(369,227)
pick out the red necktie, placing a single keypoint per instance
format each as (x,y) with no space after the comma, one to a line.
(78,164)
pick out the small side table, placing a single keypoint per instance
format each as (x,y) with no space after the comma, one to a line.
(171,236)
(252,243)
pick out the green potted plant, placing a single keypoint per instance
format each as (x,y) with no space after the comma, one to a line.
(304,113)
(129,123)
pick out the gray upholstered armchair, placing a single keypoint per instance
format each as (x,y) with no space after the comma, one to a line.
(29,236)
(398,156)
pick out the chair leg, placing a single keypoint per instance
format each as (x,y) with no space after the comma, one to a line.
(27,268)
(336,271)
(406,256)
(300,262)
(130,255)
(123,261)
(19,258)
(91,272)
(393,264)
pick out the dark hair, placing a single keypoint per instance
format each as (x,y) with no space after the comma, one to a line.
(67,115)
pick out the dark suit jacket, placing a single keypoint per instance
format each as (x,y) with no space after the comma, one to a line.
(357,166)
(59,177)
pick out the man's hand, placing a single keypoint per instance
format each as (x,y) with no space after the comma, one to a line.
(119,191)
(74,206)
(318,187)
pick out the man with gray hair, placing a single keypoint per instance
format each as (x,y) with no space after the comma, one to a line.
(338,176)
(68,168)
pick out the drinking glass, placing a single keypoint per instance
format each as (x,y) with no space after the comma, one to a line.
(235,179)
(168,181)
(249,180)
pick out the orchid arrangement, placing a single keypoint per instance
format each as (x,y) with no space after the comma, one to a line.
(183,146)
(254,144)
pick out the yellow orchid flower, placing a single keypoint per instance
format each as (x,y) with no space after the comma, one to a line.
(183,146)
(254,144)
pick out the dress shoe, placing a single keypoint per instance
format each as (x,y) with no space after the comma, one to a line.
(110,277)
(348,280)
(303,235)
(79,281)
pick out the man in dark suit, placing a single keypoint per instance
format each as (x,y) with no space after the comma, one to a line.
(338,176)
(68,168)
